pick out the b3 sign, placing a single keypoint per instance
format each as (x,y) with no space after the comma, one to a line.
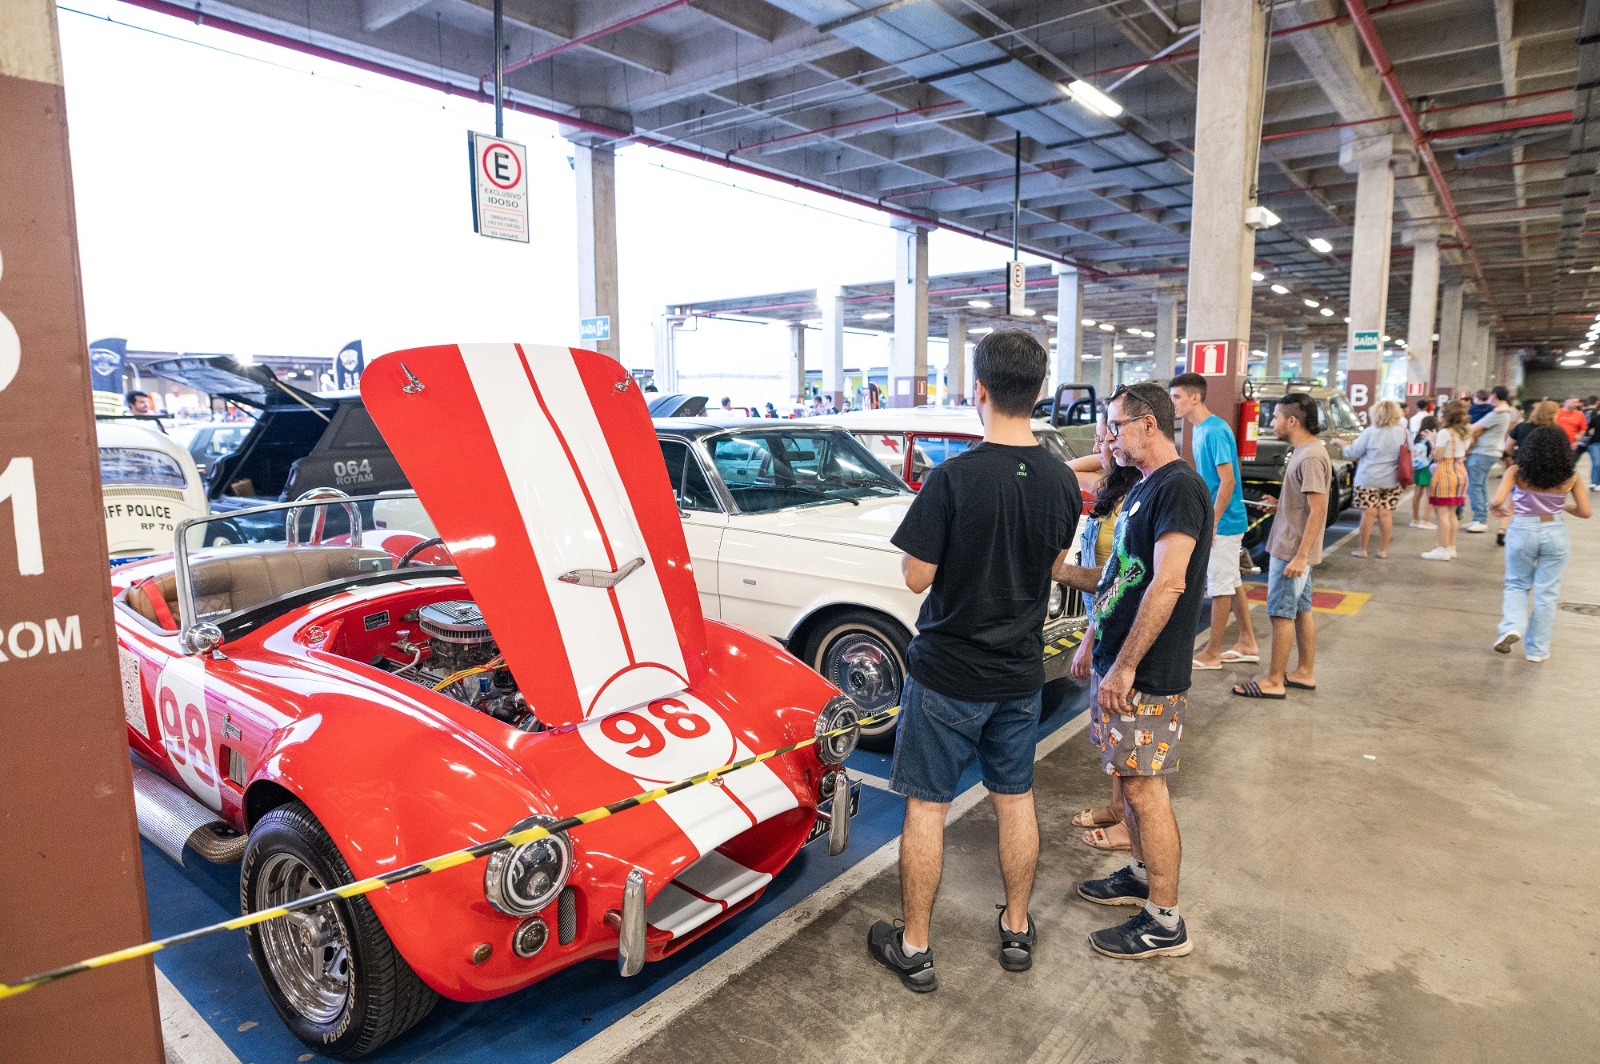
(499,187)
(1209,358)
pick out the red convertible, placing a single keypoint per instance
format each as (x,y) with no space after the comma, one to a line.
(330,708)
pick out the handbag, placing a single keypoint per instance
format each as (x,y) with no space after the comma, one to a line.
(1404,470)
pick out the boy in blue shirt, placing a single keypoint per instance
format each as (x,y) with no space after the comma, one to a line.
(1216,459)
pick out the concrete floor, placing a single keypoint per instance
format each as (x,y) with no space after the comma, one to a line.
(1435,901)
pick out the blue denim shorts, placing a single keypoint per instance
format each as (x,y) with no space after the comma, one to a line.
(939,735)
(1286,597)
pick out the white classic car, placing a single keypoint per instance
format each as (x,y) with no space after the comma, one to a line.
(149,484)
(789,525)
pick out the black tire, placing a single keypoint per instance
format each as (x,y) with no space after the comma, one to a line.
(383,998)
(864,655)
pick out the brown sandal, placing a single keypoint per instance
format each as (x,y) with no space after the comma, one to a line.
(1100,839)
(1086,819)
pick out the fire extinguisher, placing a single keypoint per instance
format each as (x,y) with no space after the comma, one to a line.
(1249,422)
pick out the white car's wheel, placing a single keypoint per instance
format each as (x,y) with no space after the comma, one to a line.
(864,655)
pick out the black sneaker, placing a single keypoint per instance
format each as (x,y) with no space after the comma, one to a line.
(1142,937)
(886,943)
(1016,951)
(1119,888)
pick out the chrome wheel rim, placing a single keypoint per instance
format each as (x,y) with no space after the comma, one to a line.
(309,951)
(866,668)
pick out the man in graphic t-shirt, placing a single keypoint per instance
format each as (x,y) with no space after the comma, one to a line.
(1146,612)
(1216,459)
(983,535)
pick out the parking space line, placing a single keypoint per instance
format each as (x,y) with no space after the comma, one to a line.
(189,1038)
(623,1037)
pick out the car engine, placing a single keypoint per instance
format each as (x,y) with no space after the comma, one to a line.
(459,641)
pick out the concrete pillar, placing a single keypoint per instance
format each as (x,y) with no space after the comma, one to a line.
(1274,370)
(797,363)
(1334,354)
(1308,358)
(667,351)
(1469,370)
(1166,347)
(1233,38)
(1372,161)
(1447,362)
(1106,382)
(960,379)
(908,362)
(1068,368)
(830,300)
(1424,303)
(596,170)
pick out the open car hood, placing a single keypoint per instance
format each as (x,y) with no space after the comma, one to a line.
(541,470)
(223,378)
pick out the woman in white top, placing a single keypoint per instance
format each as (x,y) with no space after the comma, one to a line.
(1378,487)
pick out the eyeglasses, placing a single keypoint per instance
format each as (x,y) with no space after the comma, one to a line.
(1114,427)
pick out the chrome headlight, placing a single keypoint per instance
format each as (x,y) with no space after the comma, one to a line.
(1058,600)
(840,712)
(524,879)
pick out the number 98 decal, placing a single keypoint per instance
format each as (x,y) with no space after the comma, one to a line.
(662,741)
(186,729)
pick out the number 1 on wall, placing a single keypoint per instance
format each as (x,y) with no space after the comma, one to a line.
(16,484)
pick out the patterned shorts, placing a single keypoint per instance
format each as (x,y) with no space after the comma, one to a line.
(1141,742)
(1378,498)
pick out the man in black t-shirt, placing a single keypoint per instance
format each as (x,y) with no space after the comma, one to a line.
(1144,621)
(983,534)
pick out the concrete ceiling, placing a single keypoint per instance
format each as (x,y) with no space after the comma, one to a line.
(915,106)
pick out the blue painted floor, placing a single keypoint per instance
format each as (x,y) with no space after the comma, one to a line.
(532,1027)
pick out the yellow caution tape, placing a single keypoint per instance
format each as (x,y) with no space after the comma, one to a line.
(434,864)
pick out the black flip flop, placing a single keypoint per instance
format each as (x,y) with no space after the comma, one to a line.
(1251,689)
(1298,686)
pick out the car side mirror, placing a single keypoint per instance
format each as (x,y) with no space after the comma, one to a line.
(201,638)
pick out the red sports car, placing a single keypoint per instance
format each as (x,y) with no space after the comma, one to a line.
(332,708)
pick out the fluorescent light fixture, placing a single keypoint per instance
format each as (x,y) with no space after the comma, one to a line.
(1313,304)
(1257,275)
(1027,312)
(1117,349)
(1278,288)
(1327,312)
(980,332)
(876,315)
(1259,217)
(1087,323)
(1347,319)
(1093,98)
(1106,326)
(1435,337)
(245,359)
(1570,362)
(1051,317)
(1135,331)
(981,304)
(1319,244)
(1148,335)
(1586,345)
(1386,339)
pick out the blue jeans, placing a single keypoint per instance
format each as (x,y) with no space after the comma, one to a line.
(1594,462)
(1478,467)
(938,736)
(1536,557)
(1286,597)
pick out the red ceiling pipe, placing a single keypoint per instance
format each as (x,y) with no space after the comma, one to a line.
(1391,81)
(1554,118)
(594,36)
(189,14)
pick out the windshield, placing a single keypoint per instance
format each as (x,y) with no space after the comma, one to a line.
(136,465)
(776,469)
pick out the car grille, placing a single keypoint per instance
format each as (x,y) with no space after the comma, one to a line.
(567,916)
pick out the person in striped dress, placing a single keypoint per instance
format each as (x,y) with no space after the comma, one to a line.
(1448,487)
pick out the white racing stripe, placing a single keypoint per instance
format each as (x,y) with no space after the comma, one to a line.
(678,912)
(718,876)
(644,604)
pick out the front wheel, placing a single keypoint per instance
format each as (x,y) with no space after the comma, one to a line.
(331,972)
(864,655)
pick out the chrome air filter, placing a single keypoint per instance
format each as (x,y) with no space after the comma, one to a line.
(459,622)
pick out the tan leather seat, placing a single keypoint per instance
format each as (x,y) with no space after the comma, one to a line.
(238,581)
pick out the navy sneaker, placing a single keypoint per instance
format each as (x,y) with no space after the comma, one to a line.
(886,943)
(1142,937)
(1016,950)
(1121,887)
